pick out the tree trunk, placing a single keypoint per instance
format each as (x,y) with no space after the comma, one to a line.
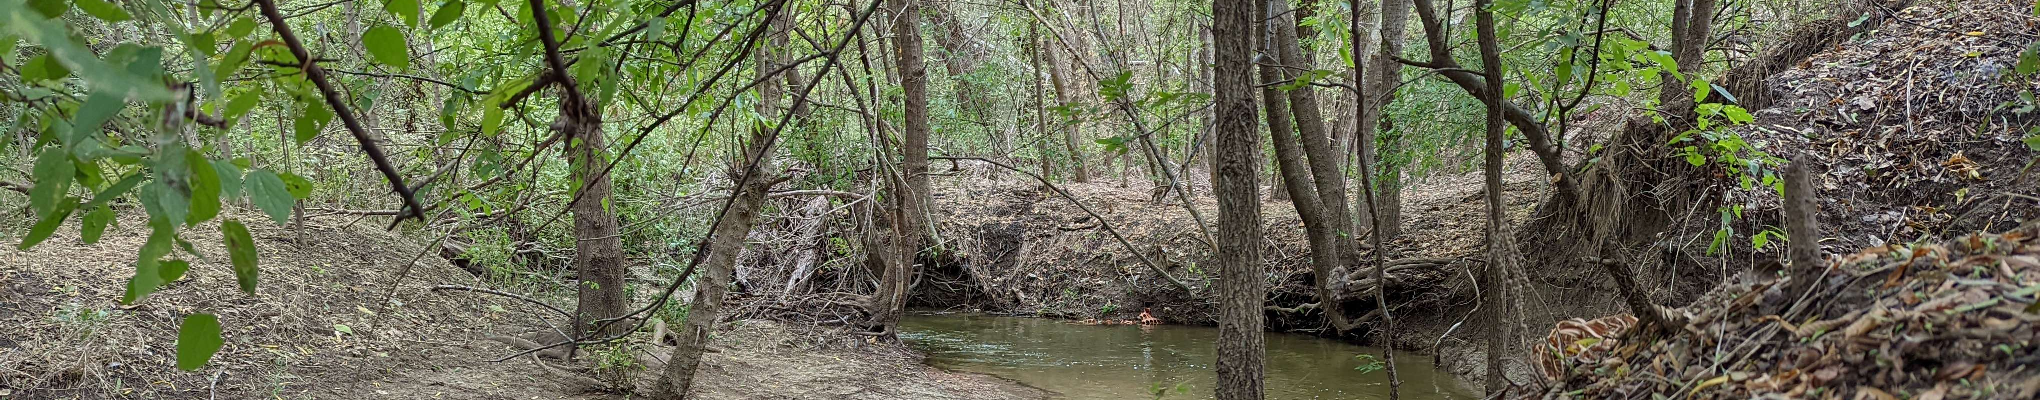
(913,166)
(1240,341)
(1501,252)
(1034,46)
(1379,79)
(727,240)
(1072,140)
(1323,161)
(598,245)
(1297,179)
(1692,24)
(1802,225)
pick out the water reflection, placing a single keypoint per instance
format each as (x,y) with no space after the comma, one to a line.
(1125,362)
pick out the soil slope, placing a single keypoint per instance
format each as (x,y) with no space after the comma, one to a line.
(317,328)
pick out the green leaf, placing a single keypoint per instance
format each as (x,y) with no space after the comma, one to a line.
(95,223)
(172,270)
(53,171)
(128,69)
(2029,60)
(242,103)
(236,56)
(311,121)
(118,188)
(49,8)
(406,9)
(2033,142)
(197,339)
(1700,90)
(298,186)
(654,28)
(386,45)
(1116,88)
(7,45)
(241,27)
(448,13)
(269,193)
(103,10)
(1738,115)
(43,68)
(48,225)
(148,273)
(98,108)
(240,248)
(205,188)
(492,120)
(230,178)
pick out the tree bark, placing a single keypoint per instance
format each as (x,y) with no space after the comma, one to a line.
(1501,252)
(598,246)
(1034,46)
(1240,342)
(1692,24)
(1072,140)
(1379,79)
(1329,180)
(1802,225)
(728,240)
(1297,179)
(913,201)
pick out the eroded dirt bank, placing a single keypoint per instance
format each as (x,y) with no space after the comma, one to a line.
(317,328)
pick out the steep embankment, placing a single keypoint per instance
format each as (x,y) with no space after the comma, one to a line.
(317,328)
(1916,127)
(1022,248)
(1952,320)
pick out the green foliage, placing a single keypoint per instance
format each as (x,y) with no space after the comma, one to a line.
(197,339)
(269,192)
(240,249)
(386,45)
(1369,363)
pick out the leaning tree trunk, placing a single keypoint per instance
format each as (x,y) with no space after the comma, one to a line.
(727,240)
(1240,341)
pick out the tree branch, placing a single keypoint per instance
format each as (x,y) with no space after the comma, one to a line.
(339,104)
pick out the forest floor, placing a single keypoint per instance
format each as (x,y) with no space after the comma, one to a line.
(316,329)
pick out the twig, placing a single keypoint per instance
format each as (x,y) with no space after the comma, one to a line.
(563,313)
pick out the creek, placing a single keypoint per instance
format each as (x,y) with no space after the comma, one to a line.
(1131,361)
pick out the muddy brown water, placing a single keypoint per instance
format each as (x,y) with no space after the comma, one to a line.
(1128,362)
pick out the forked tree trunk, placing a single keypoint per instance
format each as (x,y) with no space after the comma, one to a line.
(1329,181)
(1296,178)
(1237,145)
